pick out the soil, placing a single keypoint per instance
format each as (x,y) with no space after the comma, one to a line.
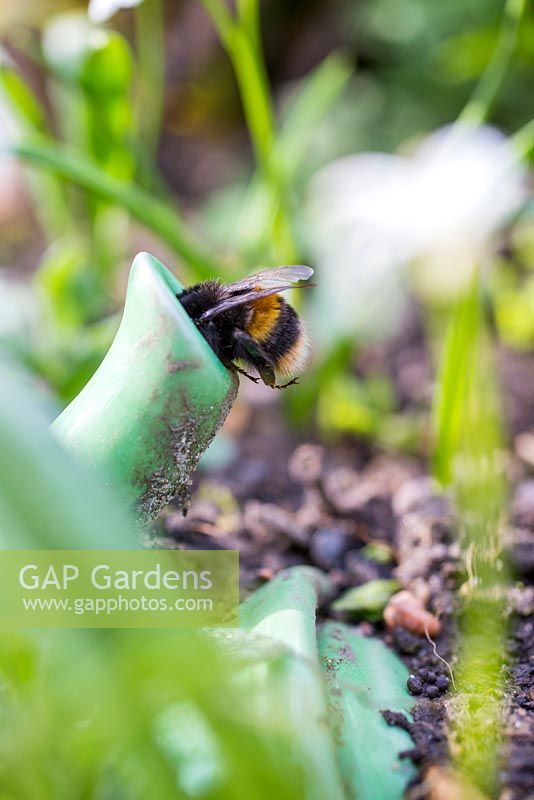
(362,514)
(518,770)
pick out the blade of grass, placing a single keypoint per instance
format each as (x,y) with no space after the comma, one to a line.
(480,488)
(248,13)
(455,365)
(157,216)
(241,40)
(314,98)
(22,101)
(470,458)
(151,73)
(481,101)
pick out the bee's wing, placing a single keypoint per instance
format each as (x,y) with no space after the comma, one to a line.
(245,297)
(271,278)
(261,284)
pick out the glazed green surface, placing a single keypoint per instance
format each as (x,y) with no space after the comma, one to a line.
(156,401)
(364,678)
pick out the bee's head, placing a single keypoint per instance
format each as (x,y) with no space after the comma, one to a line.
(200,298)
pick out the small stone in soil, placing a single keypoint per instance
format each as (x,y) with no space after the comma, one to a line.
(521,547)
(428,683)
(407,642)
(306,464)
(414,754)
(328,548)
(405,609)
(415,684)
(523,504)
(411,494)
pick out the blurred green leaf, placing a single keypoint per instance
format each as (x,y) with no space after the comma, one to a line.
(350,405)
(153,213)
(369,600)
(380,552)
(108,68)
(514,310)
(67,363)
(18,658)
(46,499)
(240,36)
(87,708)
(98,60)
(464,56)
(22,100)
(74,291)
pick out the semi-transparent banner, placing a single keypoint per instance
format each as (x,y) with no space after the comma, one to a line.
(119,588)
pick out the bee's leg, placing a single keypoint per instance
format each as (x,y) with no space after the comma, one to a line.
(292,382)
(246,374)
(253,353)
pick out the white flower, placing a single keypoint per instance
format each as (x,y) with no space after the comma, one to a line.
(102,10)
(374,212)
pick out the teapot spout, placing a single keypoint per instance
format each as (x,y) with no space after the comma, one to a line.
(157,400)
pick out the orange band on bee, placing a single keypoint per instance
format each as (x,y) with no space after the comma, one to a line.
(264,317)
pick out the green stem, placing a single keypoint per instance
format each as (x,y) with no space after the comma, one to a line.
(158,217)
(455,365)
(469,461)
(151,58)
(241,39)
(224,22)
(253,86)
(480,490)
(481,101)
(249,14)
(315,97)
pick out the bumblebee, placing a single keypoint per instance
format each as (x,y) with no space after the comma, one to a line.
(248,321)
